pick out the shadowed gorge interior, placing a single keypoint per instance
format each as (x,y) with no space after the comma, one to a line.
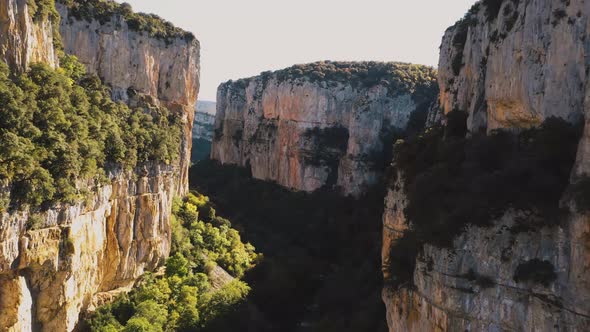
(321,265)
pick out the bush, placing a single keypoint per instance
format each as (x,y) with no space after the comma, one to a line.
(453,182)
(35,222)
(399,78)
(61,126)
(329,146)
(456,124)
(183,299)
(461,32)
(580,191)
(41,10)
(104,10)
(492,8)
(321,251)
(536,271)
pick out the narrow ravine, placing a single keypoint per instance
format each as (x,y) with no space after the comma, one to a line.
(321,266)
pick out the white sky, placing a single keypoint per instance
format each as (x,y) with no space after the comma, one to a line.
(243,38)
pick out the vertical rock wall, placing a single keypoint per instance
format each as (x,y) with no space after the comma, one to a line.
(511,71)
(23,39)
(51,274)
(519,68)
(307,134)
(134,64)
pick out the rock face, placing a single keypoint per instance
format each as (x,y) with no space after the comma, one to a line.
(472,287)
(203,126)
(526,65)
(202,135)
(51,274)
(307,133)
(136,65)
(23,39)
(48,276)
(516,67)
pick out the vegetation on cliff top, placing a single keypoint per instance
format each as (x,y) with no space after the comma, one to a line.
(41,10)
(60,127)
(399,78)
(104,10)
(184,299)
(453,181)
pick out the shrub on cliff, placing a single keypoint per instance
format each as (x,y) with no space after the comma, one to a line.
(537,271)
(492,8)
(184,299)
(398,78)
(453,181)
(60,127)
(321,251)
(104,10)
(41,10)
(580,192)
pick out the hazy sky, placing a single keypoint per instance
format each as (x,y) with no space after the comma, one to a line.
(243,38)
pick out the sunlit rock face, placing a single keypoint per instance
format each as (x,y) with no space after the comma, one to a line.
(24,40)
(519,68)
(49,275)
(52,273)
(307,134)
(164,71)
(516,70)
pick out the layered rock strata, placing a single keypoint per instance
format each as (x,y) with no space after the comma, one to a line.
(307,131)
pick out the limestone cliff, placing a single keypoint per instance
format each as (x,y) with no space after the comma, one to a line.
(324,124)
(516,63)
(52,272)
(25,37)
(137,65)
(49,275)
(509,64)
(203,126)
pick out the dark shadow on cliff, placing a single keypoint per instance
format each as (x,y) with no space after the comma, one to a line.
(321,269)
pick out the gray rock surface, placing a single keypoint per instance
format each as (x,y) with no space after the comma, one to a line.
(306,134)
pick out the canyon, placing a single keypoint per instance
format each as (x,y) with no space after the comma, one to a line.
(79,253)
(475,177)
(509,66)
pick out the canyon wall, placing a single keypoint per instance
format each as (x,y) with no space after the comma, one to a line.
(50,274)
(517,65)
(314,126)
(203,126)
(138,66)
(25,39)
(60,262)
(512,71)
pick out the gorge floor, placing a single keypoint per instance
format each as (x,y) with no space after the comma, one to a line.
(321,269)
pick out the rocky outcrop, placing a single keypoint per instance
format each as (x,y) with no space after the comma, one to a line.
(472,286)
(165,71)
(306,129)
(517,65)
(48,275)
(511,71)
(203,126)
(25,39)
